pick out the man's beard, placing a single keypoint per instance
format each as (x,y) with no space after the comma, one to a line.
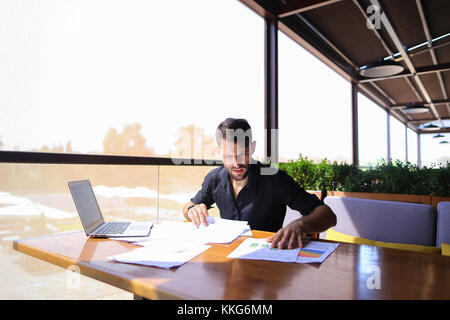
(237,176)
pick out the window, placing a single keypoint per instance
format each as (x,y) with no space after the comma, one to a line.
(112,77)
(397,140)
(433,152)
(314,106)
(412,146)
(372,132)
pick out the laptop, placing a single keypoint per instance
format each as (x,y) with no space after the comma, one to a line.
(92,219)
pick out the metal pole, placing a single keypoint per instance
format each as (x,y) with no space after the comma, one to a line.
(406,144)
(271,89)
(388,129)
(419,160)
(354,98)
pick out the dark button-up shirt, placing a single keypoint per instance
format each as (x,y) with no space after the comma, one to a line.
(262,201)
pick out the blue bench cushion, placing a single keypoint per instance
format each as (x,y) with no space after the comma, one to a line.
(443,223)
(389,221)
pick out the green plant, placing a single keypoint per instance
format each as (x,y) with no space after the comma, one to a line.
(385,177)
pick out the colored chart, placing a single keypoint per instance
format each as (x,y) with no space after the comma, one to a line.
(309,253)
(262,245)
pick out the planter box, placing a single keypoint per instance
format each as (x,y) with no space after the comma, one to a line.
(435,200)
(415,198)
(317,193)
(383,196)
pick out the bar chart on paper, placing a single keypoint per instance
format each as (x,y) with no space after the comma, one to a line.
(316,252)
(259,249)
(310,253)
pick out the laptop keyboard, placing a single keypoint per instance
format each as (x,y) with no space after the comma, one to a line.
(112,228)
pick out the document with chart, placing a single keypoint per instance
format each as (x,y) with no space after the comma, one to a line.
(259,249)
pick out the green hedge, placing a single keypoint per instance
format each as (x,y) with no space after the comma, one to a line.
(393,177)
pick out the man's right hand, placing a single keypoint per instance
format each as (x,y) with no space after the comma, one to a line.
(197,214)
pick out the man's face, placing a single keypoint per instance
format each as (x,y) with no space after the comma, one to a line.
(236,159)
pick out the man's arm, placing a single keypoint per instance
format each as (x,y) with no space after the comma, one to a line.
(291,236)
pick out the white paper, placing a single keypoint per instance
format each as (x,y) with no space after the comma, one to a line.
(217,231)
(316,252)
(131,239)
(162,253)
(136,239)
(247,233)
(259,249)
(221,230)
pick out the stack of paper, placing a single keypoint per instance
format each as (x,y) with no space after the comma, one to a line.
(217,231)
(171,244)
(220,230)
(162,253)
(260,249)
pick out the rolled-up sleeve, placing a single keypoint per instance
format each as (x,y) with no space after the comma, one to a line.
(205,194)
(294,196)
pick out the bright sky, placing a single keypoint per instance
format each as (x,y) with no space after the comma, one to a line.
(71,69)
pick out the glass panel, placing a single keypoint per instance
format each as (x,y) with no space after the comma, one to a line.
(131,84)
(177,185)
(372,132)
(35,201)
(314,106)
(412,146)
(434,152)
(397,140)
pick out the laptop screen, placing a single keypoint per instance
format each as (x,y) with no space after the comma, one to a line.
(86,204)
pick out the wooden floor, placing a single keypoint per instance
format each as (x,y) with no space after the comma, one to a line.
(25,277)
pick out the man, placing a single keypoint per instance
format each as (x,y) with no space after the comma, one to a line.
(246,190)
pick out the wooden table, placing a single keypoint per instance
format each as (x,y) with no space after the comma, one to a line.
(349,273)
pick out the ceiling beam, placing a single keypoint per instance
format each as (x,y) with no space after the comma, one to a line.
(298,28)
(299,6)
(444,130)
(434,68)
(388,50)
(432,53)
(399,46)
(265,8)
(425,120)
(418,51)
(375,30)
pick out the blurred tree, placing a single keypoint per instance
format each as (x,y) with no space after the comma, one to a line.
(442,160)
(45,148)
(129,142)
(192,142)
(69,147)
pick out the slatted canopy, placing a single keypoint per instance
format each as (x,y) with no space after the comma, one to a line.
(348,35)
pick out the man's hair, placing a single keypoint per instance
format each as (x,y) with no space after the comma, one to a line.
(234,130)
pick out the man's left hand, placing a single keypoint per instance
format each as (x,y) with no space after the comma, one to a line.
(291,236)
